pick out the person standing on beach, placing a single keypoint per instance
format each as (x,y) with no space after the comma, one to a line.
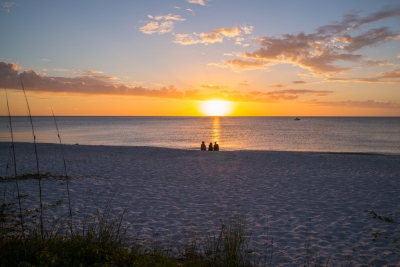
(203,146)
(210,147)
(216,147)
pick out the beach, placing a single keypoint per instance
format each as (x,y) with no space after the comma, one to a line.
(294,203)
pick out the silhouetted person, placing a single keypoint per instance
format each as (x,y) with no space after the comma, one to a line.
(216,147)
(210,147)
(203,146)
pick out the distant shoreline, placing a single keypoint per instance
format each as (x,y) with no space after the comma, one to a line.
(221,151)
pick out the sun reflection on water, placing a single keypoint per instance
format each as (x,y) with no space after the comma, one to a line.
(216,130)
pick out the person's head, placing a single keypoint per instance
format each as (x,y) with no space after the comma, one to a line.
(215,142)
(210,143)
(202,142)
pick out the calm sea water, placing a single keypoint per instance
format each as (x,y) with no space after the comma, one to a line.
(325,134)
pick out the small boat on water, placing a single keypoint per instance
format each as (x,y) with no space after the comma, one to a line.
(297,119)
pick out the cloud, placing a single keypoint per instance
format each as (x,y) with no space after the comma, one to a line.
(150,28)
(185,39)
(199,2)
(60,69)
(297,82)
(210,37)
(218,34)
(99,85)
(239,65)
(308,51)
(353,21)
(213,87)
(6,6)
(247,29)
(155,27)
(355,104)
(278,86)
(169,17)
(378,63)
(94,84)
(392,76)
(8,69)
(320,51)
(289,94)
(369,38)
(166,25)
(89,72)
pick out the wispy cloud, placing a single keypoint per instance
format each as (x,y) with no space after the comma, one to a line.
(278,85)
(210,37)
(165,25)
(239,64)
(369,38)
(60,69)
(199,2)
(213,87)
(379,63)
(290,94)
(392,76)
(319,51)
(169,17)
(355,104)
(6,6)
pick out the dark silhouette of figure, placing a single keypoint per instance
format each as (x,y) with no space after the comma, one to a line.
(210,147)
(216,147)
(203,146)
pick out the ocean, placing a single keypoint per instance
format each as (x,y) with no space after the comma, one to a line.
(316,134)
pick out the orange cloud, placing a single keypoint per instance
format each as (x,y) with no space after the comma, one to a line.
(210,37)
(165,26)
(392,76)
(94,85)
(213,87)
(355,104)
(199,2)
(278,85)
(239,65)
(319,52)
(298,82)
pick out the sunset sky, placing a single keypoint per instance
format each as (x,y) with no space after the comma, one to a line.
(167,57)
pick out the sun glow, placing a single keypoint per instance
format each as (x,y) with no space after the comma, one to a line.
(216,107)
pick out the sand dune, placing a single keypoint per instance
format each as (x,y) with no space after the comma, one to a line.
(298,200)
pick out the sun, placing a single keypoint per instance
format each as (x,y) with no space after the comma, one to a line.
(216,107)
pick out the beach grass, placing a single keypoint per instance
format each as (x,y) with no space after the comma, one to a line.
(103,241)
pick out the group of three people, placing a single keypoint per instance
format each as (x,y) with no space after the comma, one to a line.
(210,146)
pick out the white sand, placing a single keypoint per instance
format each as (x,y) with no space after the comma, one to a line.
(291,198)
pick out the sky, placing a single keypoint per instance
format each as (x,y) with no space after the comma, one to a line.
(171,57)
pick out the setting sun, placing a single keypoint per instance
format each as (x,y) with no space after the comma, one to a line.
(216,107)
